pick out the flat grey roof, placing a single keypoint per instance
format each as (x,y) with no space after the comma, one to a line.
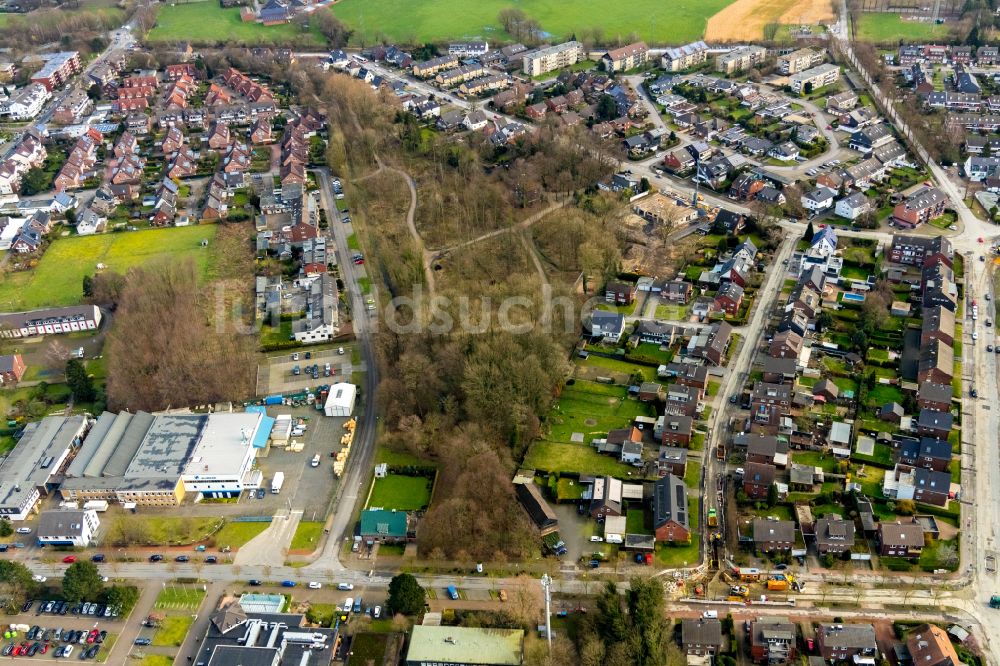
(22,471)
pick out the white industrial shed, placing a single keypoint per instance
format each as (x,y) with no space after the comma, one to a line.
(340,401)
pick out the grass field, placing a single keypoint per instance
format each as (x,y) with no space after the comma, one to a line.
(237,534)
(439,20)
(403,493)
(307,535)
(172,630)
(156,660)
(207,23)
(369,648)
(580,458)
(891,28)
(179,598)
(592,409)
(58,278)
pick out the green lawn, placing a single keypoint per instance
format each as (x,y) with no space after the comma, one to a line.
(172,630)
(207,23)
(155,659)
(236,534)
(622,366)
(592,409)
(674,312)
(307,535)
(635,522)
(439,20)
(179,598)
(891,28)
(58,278)
(171,531)
(581,458)
(403,493)
(815,459)
(692,475)
(369,648)
(352,242)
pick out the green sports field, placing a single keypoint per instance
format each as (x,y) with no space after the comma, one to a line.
(675,22)
(207,23)
(58,278)
(890,29)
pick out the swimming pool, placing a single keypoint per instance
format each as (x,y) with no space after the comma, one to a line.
(851,296)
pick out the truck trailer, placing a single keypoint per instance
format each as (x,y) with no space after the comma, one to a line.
(277,482)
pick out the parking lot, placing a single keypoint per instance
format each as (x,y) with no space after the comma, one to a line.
(50,633)
(277,376)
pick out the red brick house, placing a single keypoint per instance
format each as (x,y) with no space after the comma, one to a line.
(620,293)
(12,368)
(670,510)
(729,298)
(758,479)
(900,539)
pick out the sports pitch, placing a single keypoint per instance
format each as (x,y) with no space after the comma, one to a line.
(58,278)
(655,21)
(891,28)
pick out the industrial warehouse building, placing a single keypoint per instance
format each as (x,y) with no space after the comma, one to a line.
(340,401)
(31,470)
(154,460)
(67,527)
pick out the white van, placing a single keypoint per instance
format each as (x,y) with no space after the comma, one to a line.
(711,615)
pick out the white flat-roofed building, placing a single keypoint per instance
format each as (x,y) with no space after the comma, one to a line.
(53,320)
(223,455)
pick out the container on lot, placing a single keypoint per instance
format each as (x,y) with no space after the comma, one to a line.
(277,482)
(96,505)
(273,400)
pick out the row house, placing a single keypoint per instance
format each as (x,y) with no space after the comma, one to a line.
(165,208)
(917,484)
(175,72)
(245,114)
(758,479)
(937,324)
(218,96)
(20,157)
(183,164)
(934,397)
(976,122)
(172,141)
(926,452)
(237,160)
(936,363)
(138,123)
(938,285)
(220,137)
(177,94)
(955,101)
(452,77)
(485,84)
(80,164)
(241,83)
(428,68)
(217,202)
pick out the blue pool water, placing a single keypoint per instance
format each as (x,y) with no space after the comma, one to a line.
(851,296)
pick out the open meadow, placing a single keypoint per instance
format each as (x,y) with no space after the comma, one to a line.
(58,278)
(207,23)
(656,22)
(892,28)
(744,20)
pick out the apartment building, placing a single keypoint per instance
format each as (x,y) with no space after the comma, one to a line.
(922,206)
(58,68)
(798,61)
(816,77)
(626,57)
(551,58)
(740,58)
(684,57)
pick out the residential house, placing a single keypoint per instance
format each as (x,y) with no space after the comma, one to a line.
(729,298)
(681,400)
(672,460)
(934,397)
(607,325)
(901,539)
(729,222)
(620,293)
(758,479)
(826,390)
(891,412)
(938,323)
(922,206)
(867,139)
(846,642)
(916,250)
(939,287)
(918,484)
(670,510)
(677,430)
(779,370)
(677,291)
(771,536)
(929,645)
(785,151)
(936,363)
(853,206)
(12,369)
(687,374)
(773,640)
(172,141)
(834,534)
(766,449)
(934,424)
(538,509)
(606,497)
(785,344)
(716,345)
(701,636)
(818,199)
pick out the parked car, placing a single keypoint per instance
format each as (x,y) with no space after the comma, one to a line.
(156,558)
(23,530)
(288,583)
(69,559)
(314,585)
(253,582)
(182,558)
(345,586)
